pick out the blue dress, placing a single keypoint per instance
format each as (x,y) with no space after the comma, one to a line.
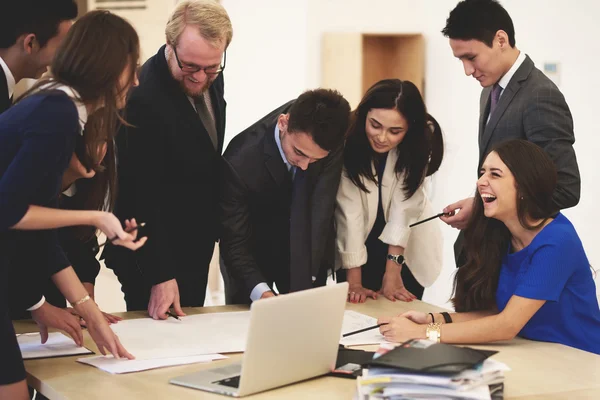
(554,268)
(37,139)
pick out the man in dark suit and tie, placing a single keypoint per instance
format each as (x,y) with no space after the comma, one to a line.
(517,101)
(30,32)
(280,179)
(168,162)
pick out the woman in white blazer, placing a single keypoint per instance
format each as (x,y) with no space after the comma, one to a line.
(393,144)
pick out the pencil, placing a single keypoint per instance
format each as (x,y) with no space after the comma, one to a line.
(426,219)
(170,314)
(362,330)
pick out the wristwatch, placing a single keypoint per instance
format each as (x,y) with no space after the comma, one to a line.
(397,258)
(434,332)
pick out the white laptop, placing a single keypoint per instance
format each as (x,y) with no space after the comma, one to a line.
(292,337)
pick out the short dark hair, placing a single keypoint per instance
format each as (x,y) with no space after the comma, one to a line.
(421,151)
(479,20)
(40,17)
(323,114)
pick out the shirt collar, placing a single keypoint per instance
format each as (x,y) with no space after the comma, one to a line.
(503,82)
(81,109)
(10,79)
(278,141)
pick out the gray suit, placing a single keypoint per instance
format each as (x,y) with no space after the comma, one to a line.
(532,108)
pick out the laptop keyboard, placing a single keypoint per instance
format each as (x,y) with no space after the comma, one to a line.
(233,381)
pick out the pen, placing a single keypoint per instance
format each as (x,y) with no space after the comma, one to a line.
(427,219)
(170,314)
(362,330)
(96,248)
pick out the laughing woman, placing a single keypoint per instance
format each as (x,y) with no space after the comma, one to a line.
(392,146)
(526,273)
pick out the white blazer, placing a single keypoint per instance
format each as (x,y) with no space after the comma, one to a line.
(355,216)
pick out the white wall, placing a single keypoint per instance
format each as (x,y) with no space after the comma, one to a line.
(275,55)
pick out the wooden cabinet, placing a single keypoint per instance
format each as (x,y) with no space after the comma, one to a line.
(353,62)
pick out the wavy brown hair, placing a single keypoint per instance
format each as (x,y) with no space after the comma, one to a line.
(95,53)
(421,151)
(487,240)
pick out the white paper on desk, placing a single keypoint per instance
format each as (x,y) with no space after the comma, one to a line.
(56,346)
(354,321)
(428,392)
(193,335)
(123,366)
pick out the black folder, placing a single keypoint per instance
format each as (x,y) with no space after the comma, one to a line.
(437,358)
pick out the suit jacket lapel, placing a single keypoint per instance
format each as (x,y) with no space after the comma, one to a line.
(218,104)
(484,106)
(4,99)
(507,95)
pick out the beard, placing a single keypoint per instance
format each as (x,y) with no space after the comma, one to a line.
(195,92)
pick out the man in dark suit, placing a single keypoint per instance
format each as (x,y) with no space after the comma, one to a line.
(517,101)
(280,179)
(30,32)
(168,162)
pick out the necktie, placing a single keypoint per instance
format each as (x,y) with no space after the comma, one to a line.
(494,97)
(206,117)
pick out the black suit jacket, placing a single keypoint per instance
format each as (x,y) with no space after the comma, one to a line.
(267,235)
(168,177)
(4,98)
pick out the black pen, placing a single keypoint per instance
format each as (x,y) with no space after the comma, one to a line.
(362,330)
(427,219)
(96,248)
(170,314)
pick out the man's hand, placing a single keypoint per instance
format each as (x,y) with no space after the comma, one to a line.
(461,219)
(267,294)
(48,316)
(162,296)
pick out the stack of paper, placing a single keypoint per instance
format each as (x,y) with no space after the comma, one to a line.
(473,384)
(57,345)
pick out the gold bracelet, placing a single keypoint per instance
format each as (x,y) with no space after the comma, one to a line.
(434,332)
(83,300)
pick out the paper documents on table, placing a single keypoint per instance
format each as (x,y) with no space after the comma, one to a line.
(354,321)
(123,366)
(192,335)
(57,345)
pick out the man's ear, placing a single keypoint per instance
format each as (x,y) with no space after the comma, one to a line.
(283,122)
(502,39)
(30,44)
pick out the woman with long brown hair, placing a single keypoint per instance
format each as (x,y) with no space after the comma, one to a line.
(393,144)
(92,72)
(526,274)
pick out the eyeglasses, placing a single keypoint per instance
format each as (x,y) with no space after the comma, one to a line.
(214,70)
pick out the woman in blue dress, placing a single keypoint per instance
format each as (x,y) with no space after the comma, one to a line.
(526,274)
(92,72)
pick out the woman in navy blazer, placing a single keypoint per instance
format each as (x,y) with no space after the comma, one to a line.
(91,73)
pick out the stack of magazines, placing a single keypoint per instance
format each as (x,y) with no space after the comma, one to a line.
(420,369)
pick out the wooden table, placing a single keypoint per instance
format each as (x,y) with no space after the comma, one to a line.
(539,370)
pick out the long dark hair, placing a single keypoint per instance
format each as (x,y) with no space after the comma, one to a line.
(487,240)
(421,151)
(98,48)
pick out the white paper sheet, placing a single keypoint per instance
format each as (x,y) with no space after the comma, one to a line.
(122,366)
(354,321)
(56,346)
(148,339)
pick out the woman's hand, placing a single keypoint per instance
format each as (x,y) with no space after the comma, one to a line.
(359,294)
(400,329)
(393,288)
(417,317)
(111,226)
(48,316)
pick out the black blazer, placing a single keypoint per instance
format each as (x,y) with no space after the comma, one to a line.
(168,175)
(4,98)
(267,236)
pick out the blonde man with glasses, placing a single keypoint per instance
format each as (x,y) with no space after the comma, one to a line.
(168,162)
